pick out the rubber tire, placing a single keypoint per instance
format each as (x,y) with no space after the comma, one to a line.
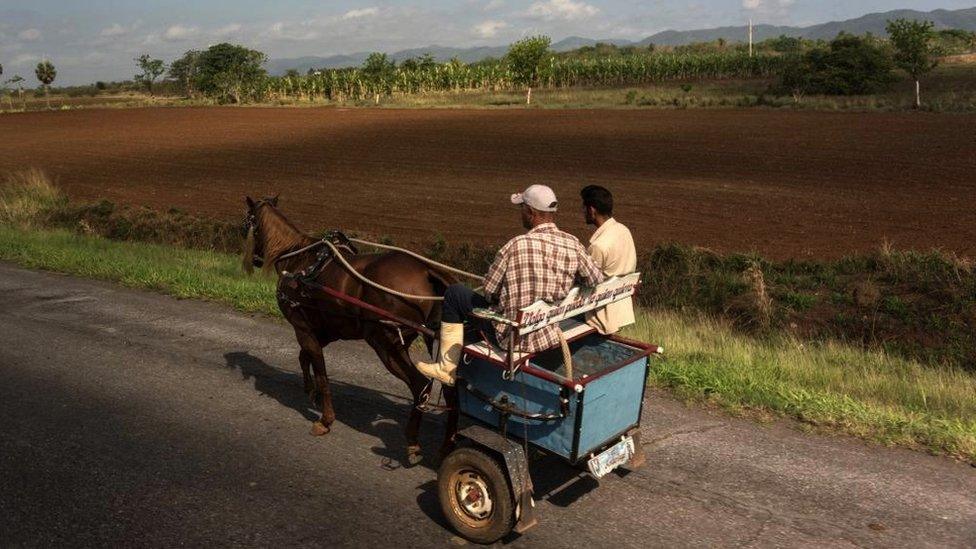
(502,519)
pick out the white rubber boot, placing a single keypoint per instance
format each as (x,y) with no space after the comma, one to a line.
(449,351)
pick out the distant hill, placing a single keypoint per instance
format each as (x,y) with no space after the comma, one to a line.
(874,23)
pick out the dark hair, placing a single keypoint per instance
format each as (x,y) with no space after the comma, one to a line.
(598,197)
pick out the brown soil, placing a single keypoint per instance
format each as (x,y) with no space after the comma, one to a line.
(785,184)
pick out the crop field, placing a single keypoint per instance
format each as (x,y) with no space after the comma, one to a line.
(781,183)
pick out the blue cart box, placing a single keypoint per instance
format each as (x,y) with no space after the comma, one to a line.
(573,418)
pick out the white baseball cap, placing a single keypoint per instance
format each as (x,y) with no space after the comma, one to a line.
(537,197)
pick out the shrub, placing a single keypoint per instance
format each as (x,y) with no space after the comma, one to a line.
(849,65)
(29,198)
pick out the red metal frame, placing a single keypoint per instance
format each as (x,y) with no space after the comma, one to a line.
(369,307)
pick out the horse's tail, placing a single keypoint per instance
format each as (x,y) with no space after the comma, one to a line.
(440,281)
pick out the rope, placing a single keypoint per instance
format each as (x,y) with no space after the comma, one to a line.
(301,251)
(567,355)
(352,270)
(369,282)
(427,260)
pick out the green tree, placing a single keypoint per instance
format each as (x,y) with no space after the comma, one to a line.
(46,73)
(151,70)
(18,81)
(848,65)
(914,50)
(184,71)
(379,71)
(784,44)
(229,72)
(426,62)
(524,60)
(796,76)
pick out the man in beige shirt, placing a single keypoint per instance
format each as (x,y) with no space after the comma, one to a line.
(612,249)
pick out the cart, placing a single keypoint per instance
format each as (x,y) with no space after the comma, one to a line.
(581,402)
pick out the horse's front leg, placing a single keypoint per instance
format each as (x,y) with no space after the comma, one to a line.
(306,363)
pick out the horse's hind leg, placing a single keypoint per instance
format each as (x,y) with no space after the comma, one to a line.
(397,360)
(420,388)
(450,430)
(312,353)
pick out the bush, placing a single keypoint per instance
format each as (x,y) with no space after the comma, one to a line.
(849,65)
(28,199)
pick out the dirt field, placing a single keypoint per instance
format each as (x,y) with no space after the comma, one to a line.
(786,184)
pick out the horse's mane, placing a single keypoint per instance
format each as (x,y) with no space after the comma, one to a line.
(280,235)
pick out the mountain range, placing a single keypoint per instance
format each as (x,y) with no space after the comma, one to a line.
(874,23)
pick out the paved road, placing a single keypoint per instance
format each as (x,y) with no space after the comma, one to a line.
(132,418)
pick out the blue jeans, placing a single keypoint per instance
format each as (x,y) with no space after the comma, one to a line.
(459,301)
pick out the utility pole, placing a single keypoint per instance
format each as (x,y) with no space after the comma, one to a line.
(750,37)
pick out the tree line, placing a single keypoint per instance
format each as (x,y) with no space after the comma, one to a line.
(847,65)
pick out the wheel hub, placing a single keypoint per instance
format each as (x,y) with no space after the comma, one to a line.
(473,495)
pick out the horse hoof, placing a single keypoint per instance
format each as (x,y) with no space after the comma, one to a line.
(414,455)
(319,430)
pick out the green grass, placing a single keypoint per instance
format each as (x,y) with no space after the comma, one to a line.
(863,393)
(179,272)
(837,387)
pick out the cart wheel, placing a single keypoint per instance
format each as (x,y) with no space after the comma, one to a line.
(475,496)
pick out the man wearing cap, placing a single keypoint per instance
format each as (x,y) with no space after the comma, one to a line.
(612,249)
(542,264)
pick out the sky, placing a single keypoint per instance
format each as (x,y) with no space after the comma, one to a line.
(94,40)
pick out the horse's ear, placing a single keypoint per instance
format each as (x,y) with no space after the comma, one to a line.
(274,200)
(249,201)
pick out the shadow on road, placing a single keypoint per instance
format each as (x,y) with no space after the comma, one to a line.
(369,411)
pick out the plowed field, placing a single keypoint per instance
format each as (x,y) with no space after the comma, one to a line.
(786,184)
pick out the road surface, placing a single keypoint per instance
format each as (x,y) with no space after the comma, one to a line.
(130,418)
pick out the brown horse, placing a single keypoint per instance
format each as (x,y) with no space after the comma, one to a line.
(323,319)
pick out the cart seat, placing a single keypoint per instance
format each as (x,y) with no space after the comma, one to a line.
(572,329)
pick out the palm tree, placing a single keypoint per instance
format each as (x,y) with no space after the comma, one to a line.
(46,73)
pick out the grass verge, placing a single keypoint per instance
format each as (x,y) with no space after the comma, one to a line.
(838,387)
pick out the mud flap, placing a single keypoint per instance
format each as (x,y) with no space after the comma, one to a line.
(516,467)
(639,456)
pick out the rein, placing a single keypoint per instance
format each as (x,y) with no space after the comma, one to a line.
(336,254)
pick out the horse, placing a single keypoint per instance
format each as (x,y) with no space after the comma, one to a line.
(325,319)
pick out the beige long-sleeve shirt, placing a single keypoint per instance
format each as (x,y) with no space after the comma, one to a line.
(612,249)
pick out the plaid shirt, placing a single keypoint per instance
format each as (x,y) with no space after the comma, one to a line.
(541,264)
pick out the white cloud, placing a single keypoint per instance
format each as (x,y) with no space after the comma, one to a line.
(227,30)
(566,10)
(114,30)
(289,31)
(29,35)
(177,33)
(25,59)
(493,5)
(761,5)
(364,12)
(769,11)
(488,29)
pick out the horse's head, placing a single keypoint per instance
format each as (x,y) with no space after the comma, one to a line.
(253,240)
